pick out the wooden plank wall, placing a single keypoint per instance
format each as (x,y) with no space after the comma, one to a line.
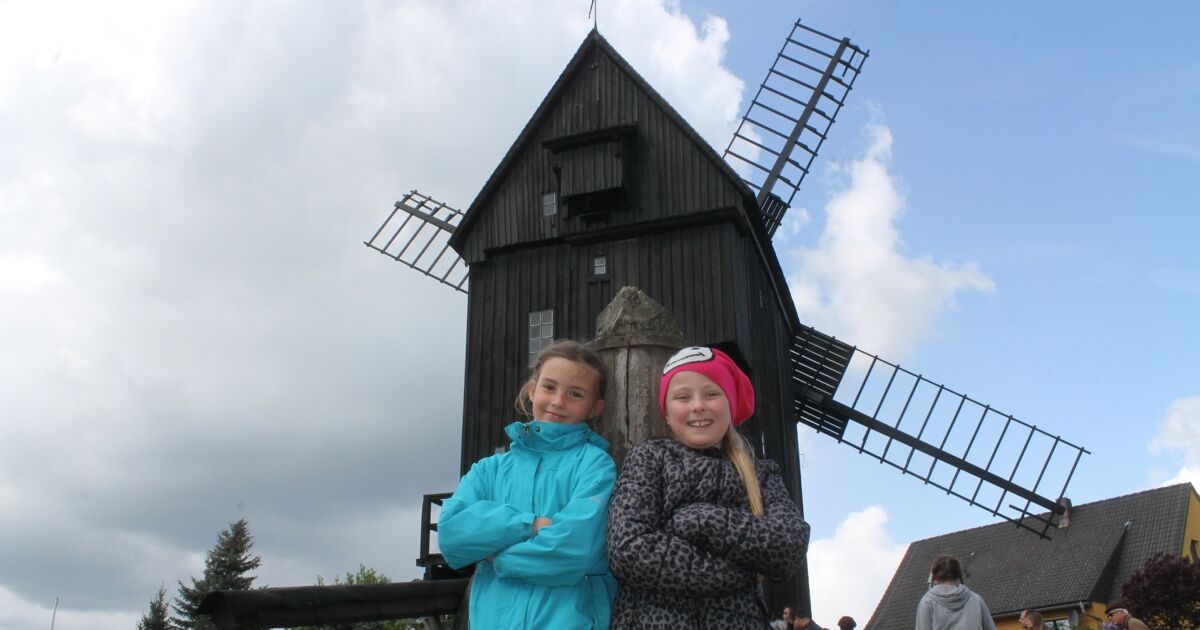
(764,340)
(590,168)
(688,272)
(668,174)
(709,277)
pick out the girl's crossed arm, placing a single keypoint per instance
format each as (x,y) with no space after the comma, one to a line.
(572,545)
(643,555)
(773,544)
(472,526)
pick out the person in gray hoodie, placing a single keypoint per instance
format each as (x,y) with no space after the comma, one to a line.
(949,604)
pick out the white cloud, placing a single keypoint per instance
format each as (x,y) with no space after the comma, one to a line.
(25,274)
(192,329)
(19,614)
(858,283)
(665,46)
(1179,437)
(849,572)
(793,224)
(1187,474)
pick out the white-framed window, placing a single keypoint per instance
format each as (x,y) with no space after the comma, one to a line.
(600,265)
(549,204)
(541,332)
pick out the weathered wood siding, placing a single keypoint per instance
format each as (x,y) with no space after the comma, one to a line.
(708,276)
(668,176)
(677,233)
(688,272)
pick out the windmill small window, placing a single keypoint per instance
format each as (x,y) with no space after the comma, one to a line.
(541,332)
(549,204)
(600,266)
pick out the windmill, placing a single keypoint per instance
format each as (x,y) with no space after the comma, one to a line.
(608,186)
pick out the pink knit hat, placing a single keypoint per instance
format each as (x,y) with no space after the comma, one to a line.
(721,369)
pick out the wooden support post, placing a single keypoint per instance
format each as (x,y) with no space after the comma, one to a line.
(635,336)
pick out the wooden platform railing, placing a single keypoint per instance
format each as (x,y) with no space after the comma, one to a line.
(442,592)
(330,605)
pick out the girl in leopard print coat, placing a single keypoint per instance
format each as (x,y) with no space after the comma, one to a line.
(696,519)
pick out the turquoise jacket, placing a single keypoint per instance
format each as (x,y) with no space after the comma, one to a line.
(558,578)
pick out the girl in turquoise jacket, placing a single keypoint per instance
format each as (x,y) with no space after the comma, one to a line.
(533,519)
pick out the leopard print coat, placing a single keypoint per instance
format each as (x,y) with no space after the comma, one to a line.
(684,546)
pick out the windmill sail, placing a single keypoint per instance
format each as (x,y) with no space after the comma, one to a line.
(790,117)
(990,459)
(417,233)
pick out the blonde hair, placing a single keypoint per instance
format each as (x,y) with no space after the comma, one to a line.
(738,450)
(572,351)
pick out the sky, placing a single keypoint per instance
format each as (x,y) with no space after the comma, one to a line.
(192,331)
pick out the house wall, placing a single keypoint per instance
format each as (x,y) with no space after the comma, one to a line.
(1091,616)
(1007,624)
(1191,532)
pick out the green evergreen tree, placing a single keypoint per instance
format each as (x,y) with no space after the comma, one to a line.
(156,618)
(225,569)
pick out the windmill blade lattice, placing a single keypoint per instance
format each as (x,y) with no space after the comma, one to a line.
(947,439)
(790,117)
(417,233)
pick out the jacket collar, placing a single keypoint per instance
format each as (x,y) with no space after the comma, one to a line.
(672,444)
(552,436)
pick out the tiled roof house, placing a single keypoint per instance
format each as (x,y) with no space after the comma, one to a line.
(1068,578)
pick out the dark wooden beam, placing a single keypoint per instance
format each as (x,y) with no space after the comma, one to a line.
(328,605)
(607,134)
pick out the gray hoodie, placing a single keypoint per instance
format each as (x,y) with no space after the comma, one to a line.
(953,608)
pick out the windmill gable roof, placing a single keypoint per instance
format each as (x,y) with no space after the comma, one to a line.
(1013,570)
(593,41)
(505,212)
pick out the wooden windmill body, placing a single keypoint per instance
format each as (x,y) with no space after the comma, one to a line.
(643,201)
(607,186)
